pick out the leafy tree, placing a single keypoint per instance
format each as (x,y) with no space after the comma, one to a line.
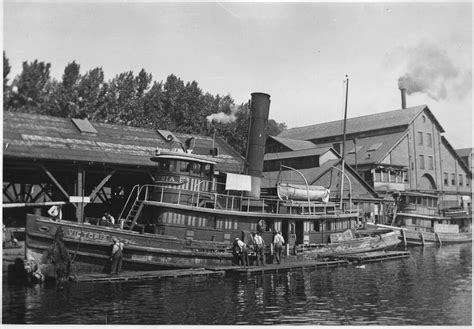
(130,100)
(92,91)
(274,128)
(64,95)
(6,89)
(173,101)
(31,87)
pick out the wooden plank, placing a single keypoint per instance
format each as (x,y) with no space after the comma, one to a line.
(146,275)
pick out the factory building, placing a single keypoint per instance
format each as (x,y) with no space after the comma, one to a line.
(401,150)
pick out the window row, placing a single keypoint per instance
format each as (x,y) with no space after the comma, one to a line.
(178,166)
(381,175)
(425,139)
(450,179)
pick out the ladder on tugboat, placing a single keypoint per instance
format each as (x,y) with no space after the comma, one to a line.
(132,216)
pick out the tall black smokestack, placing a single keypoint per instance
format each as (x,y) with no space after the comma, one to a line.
(403,91)
(259,109)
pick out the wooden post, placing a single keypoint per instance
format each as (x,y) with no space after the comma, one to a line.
(439,239)
(422,239)
(404,239)
(80,192)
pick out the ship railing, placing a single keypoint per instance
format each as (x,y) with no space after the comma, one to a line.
(229,201)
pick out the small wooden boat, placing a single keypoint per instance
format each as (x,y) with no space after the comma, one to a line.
(352,242)
(302,193)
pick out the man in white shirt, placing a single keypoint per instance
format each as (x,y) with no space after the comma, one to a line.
(259,248)
(243,252)
(56,213)
(278,242)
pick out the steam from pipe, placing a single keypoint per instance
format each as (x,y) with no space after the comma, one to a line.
(222,117)
(430,71)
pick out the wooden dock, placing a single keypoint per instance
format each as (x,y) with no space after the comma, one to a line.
(147,275)
(373,256)
(219,271)
(283,267)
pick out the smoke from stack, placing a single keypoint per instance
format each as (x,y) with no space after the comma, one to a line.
(222,117)
(430,71)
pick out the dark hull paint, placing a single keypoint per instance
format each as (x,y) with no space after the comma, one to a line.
(90,247)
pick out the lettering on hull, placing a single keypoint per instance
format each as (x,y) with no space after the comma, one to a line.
(92,236)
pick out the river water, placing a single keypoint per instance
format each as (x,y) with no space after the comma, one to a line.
(431,287)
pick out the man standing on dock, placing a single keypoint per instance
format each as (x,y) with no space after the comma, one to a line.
(278,242)
(259,248)
(116,257)
(243,252)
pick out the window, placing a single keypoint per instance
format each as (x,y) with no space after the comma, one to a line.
(446,179)
(423,119)
(429,140)
(422,161)
(420,138)
(393,177)
(378,176)
(453,179)
(430,163)
(460,180)
(317,226)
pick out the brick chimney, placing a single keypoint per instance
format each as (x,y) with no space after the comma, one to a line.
(403,91)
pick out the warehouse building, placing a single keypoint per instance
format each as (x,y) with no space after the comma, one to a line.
(86,166)
(401,150)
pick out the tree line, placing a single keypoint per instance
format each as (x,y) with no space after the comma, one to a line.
(127,99)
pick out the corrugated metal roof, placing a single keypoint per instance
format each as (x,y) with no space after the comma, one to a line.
(293,144)
(356,125)
(35,136)
(296,154)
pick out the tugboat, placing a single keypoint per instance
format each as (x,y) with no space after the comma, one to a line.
(189,218)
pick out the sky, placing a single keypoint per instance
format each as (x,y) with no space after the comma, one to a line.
(298,52)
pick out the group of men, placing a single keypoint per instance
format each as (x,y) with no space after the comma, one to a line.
(241,250)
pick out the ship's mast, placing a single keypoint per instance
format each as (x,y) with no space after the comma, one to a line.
(344,142)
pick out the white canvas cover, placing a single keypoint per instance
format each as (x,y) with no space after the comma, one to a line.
(238,182)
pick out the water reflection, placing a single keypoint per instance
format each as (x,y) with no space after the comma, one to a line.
(432,287)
